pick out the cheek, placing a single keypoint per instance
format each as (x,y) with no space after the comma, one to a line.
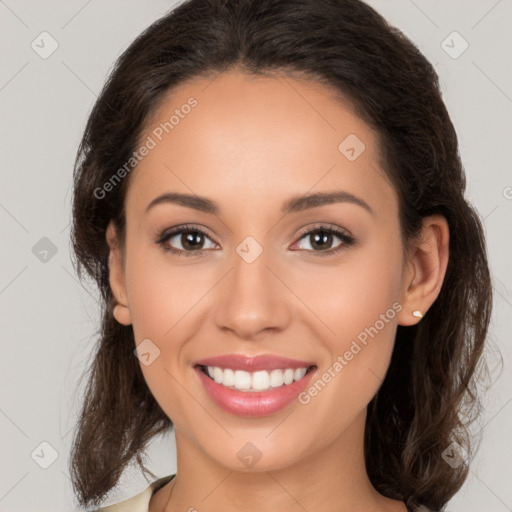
(358,303)
(162,298)
(165,297)
(162,292)
(354,294)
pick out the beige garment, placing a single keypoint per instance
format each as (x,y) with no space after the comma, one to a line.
(140,502)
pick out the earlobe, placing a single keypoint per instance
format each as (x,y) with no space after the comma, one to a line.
(122,314)
(426,270)
(121,311)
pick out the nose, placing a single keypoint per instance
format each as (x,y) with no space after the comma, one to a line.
(252,299)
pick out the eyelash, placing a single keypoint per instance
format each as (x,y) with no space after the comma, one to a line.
(165,236)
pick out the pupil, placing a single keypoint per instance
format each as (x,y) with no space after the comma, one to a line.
(321,238)
(190,240)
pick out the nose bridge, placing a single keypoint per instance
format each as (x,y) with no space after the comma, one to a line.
(251,298)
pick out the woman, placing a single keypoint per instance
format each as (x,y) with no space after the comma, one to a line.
(270,198)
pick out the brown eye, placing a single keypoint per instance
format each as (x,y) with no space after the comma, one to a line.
(191,240)
(185,241)
(321,240)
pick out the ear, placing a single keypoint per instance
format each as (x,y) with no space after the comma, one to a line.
(116,276)
(425,269)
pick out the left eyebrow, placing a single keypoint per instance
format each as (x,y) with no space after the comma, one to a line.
(301,203)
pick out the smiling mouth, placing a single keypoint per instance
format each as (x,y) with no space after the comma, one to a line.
(262,380)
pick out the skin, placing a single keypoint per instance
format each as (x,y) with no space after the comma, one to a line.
(250,144)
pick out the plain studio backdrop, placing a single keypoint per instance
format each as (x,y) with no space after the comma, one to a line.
(55,56)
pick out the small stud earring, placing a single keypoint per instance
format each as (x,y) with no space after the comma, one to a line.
(417,314)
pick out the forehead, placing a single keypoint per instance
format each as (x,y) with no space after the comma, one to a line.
(238,136)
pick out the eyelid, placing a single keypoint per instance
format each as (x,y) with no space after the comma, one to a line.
(326,226)
(183,227)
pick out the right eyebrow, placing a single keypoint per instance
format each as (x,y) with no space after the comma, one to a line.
(190,201)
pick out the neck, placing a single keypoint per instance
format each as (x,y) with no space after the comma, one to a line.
(332,479)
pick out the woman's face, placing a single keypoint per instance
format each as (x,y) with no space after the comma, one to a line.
(267,277)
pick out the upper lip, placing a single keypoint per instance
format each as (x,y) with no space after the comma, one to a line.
(253,363)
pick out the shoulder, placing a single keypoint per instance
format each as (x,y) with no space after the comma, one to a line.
(139,502)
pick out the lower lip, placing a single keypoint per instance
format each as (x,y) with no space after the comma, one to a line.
(253,403)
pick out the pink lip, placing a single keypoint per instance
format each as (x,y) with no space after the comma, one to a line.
(254,363)
(253,403)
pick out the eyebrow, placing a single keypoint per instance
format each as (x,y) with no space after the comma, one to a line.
(293,205)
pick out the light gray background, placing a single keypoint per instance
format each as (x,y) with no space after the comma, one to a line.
(48,320)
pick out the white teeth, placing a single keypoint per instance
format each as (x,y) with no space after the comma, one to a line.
(228,377)
(260,380)
(299,373)
(217,375)
(288,376)
(256,381)
(276,378)
(242,380)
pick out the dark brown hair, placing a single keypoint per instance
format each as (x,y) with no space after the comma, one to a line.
(429,396)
